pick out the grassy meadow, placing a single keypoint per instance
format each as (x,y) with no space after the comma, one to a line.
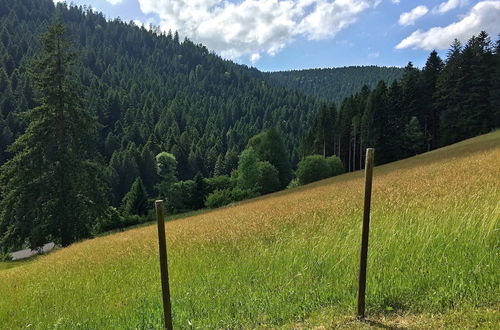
(290,259)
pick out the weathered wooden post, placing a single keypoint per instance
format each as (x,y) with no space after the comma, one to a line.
(162,244)
(365,232)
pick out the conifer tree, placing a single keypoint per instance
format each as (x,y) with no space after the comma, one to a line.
(135,201)
(52,189)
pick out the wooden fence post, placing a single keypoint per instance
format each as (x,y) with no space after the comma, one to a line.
(365,232)
(162,244)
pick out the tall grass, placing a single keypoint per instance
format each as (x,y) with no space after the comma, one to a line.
(274,260)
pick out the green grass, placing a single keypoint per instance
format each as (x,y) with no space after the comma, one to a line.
(290,259)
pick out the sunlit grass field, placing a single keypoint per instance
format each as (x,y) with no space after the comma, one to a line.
(290,259)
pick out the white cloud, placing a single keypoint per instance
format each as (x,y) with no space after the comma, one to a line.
(412,16)
(252,27)
(448,5)
(396,1)
(114,2)
(483,16)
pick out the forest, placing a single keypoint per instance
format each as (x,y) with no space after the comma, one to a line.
(156,117)
(334,84)
(443,103)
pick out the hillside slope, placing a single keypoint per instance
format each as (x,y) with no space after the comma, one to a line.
(279,259)
(335,84)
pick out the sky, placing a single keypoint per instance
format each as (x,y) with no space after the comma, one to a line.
(274,35)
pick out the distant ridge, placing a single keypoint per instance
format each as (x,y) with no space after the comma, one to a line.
(334,84)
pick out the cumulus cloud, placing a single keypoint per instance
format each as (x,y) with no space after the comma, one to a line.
(114,2)
(396,1)
(412,16)
(252,27)
(446,6)
(483,16)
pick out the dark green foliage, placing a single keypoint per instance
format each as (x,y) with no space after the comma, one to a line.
(180,197)
(218,183)
(313,168)
(199,192)
(335,164)
(109,221)
(166,165)
(136,201)
(52,189)
(335,84)
(413,137)
(219,198)
(269,146)
(268,178)
(149,89)
(423,110)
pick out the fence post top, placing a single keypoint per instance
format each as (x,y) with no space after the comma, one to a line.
(158,201)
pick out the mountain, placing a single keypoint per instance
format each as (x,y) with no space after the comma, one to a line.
(148,88)
(335,84)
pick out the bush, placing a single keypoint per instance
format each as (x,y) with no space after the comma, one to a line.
(336,165)
(238,194)
(268,178)
(132,220)
(220,182)
(313,168)
(294,183)
(111,220)
(219,198)
(180,197)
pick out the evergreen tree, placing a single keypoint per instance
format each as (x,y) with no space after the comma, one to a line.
(199,191)
(135,201)
(167,171)
(413,138)
(430,112)
(269,146)
(52,189)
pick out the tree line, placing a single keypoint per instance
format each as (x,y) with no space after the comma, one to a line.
(443,103)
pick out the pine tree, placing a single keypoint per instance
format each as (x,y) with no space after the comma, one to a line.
(199,191)
(52,189)
(430,74)
(135,201)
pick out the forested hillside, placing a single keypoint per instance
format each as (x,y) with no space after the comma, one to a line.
(334,84)
(445,102)
(151,92)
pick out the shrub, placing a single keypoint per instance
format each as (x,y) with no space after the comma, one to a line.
(268,178)
(336,165)
(218,198)
(294,183)
(313,168)
(180,197)
(220,182)
(111,220)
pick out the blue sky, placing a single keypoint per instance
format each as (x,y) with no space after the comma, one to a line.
(296,34)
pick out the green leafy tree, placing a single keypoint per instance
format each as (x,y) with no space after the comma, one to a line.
(268,178)
(248,172)
(135,201)
(336,165)
(269,146)
(313,168)
(52,189)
